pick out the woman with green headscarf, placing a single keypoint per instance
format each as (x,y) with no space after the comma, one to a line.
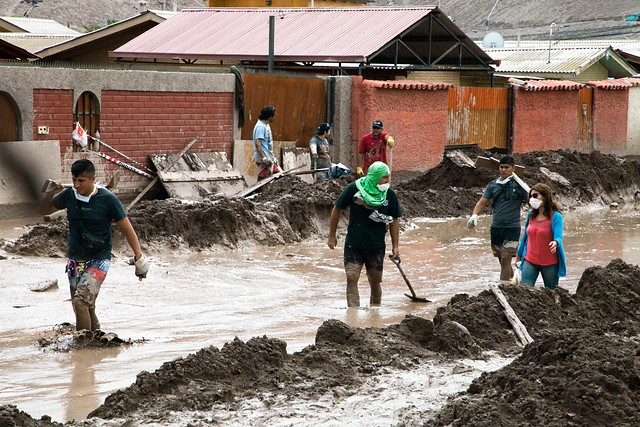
(372,206)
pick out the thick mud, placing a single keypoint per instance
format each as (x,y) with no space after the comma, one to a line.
(583,367)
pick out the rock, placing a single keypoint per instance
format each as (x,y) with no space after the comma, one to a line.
(44,286)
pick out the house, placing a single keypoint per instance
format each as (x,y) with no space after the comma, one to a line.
(93,47)
(12,24)
(578,64)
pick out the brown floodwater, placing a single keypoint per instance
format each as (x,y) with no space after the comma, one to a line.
(193,300)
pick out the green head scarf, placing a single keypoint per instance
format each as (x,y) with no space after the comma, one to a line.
(368,185)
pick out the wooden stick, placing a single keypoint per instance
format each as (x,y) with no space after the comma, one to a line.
(156,179)
(521,183)
(516,324)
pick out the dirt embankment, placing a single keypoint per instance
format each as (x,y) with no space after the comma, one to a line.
(290,210)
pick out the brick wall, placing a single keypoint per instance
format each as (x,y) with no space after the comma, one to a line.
(415,117)
(53,108)
(545,120)
(610,111)
(140,123)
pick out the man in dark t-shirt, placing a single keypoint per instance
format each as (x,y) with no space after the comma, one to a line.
(372,207)
(506,197)
(90,210)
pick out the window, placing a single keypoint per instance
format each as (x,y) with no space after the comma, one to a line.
(87,113)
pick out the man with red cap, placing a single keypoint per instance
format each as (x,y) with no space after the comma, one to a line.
(373,147)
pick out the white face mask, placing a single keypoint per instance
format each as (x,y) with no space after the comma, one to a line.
(383,187)
(535,203)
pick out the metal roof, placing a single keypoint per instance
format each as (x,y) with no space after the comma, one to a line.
(144,21)
(33,25)
(35,42)
(11,51)
(381,35)
(568,61)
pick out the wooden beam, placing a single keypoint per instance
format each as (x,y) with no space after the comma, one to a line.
(516,324)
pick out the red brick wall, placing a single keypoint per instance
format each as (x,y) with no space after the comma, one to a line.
(143,123)
(53,108)
(416,118)
(610,109)
(545,120)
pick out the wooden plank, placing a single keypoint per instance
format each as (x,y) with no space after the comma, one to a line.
(156,179)
(493,163)
(262,183)
(516,324)
(184,176)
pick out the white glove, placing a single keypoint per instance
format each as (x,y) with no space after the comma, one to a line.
(142,266)
(473,220)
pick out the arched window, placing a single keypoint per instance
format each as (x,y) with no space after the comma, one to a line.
(87,113)
(10,121)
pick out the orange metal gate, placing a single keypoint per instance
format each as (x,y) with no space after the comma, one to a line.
(301,104)
(585,102)
(478,115)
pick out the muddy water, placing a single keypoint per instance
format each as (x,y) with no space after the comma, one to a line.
(192,300)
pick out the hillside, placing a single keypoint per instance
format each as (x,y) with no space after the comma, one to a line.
(512,18)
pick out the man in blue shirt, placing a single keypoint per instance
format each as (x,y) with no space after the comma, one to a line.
(263,143)
(90,210)
(506,198)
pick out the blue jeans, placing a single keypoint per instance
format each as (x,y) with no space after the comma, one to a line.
(530,274)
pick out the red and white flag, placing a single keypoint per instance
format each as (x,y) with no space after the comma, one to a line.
(79,135)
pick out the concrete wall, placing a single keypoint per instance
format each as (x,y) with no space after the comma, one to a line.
(545,120)
(416,118)
(142,112)
(610,110)
(341,151)
(633,121)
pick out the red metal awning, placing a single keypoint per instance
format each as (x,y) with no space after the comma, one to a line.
(361,35)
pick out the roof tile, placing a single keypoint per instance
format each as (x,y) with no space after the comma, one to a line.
(617,84)
(539,85)
(407,84)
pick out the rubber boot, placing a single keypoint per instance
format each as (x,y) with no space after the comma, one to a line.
(375,278)
(353,275)
(83,318)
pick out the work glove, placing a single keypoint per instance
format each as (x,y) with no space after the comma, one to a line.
(266,161)
(472,221)
(142,266)
(359,171)
(390,141)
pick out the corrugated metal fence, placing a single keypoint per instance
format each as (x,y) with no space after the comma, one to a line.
(478,115)
(301,104)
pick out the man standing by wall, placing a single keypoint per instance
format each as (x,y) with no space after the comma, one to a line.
(373,147)
(263,143)
(506,198)
(91,210)
(321,151)
(372,206)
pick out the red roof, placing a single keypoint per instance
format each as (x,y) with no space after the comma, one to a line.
(303,34)
(537,85)
(616,84)
(407,84)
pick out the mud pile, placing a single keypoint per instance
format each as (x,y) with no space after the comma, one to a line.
(582,369)
(289,210)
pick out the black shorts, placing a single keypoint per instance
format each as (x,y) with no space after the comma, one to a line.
(372,259)
(502,235)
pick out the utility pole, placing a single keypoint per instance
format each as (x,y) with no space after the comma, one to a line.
(489,16)
(272,30)
(551,27)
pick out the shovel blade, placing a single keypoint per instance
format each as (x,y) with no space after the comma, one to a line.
(417,299)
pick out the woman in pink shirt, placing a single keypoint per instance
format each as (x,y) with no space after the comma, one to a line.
(540,249)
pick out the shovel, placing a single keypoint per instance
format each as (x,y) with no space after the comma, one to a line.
(413,296)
